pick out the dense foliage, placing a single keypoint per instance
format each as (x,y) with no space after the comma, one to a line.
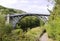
(30,22)
(8,33)
(4,29)
(53,25)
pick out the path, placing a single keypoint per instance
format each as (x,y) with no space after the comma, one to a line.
(44,37)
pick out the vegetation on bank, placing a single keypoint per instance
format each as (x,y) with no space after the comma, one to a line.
(53,25)
(24,30)
(8,33)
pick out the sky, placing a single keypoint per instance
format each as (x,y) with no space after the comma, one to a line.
(30,6)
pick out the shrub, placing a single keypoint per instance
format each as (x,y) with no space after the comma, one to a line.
(30,22)
(34,34)
(53,25)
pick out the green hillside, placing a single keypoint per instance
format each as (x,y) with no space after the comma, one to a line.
(5,10)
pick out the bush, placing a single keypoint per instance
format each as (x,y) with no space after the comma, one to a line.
(4,29)
(53,25)
(30,22)
(34,34)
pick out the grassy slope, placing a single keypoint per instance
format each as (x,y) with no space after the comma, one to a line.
(35,33)
(5,10)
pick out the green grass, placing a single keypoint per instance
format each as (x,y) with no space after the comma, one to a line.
(34,33)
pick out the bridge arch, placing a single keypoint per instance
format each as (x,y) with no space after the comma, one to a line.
(14,19)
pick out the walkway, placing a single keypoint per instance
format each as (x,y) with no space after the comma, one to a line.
(44,37)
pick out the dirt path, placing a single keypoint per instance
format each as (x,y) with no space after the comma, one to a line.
(44,37)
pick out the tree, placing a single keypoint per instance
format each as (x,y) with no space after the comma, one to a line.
(53,25)
(4,29)
(29,22)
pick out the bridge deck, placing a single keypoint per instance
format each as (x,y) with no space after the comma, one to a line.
(29,15)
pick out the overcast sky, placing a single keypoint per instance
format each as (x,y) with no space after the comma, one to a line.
(30,6)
